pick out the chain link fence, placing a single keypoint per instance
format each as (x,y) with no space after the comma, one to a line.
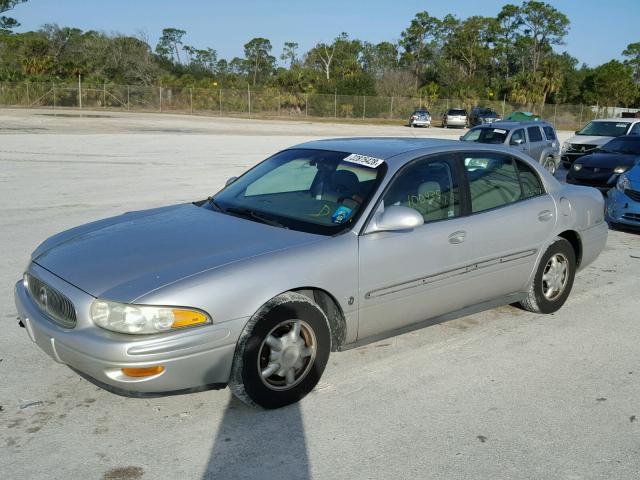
(267,103)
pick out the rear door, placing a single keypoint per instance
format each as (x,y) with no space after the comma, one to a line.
(412,275)
(536,142)
(512,218)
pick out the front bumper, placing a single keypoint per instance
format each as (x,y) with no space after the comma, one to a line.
(421,123)
(192,358)
(622,209)
(454,122)
(589,179)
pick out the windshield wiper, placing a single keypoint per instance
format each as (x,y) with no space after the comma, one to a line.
(215,204)
(248,213)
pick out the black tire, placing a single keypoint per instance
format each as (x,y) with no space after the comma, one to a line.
(246,381)
(550,165)
(536,300)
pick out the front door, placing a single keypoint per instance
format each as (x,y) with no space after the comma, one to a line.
(412,275)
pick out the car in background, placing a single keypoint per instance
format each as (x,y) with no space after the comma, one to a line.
(420,118)
(536,139)
(595,134)
(482,115)
(601,168)
(623,201)
(324,246)
(455,117)
(523,117)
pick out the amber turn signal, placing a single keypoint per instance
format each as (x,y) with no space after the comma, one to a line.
(187,318)
(143,372)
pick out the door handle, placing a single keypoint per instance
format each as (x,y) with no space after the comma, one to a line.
(545,215)
(457,237)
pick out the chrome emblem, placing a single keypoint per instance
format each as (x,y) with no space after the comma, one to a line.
(42,296)
(596,169)
(583,149)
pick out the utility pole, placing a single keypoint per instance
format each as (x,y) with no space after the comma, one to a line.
(54,95)
(220,92)
(160,102)
(306,104)
(335,103)
(28,101)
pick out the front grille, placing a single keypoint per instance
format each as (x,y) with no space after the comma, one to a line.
(632,194)
(601,170)
(580,148)
(52,303)
(632,216)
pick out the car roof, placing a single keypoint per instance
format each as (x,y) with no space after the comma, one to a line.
(388,147)
(617,120)
(510,124)
(378,147)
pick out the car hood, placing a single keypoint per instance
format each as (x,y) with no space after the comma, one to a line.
(125,257)
(608,160)
(588,140)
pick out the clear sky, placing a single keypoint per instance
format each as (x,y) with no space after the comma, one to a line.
(600,29)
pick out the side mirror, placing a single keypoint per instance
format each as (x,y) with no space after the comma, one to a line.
(461,137)
(577,132)
(230,181)
(396,218)
(516,141)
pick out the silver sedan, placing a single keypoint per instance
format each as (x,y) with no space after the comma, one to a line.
(322,247)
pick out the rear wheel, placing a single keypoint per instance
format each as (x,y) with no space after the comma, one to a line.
(550,165)
(553,279)
(281,353)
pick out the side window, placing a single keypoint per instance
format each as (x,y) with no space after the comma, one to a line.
(428,186)
(534,134)
(549,133)
(531,184)
(517,137)
(635,130)
(493,180)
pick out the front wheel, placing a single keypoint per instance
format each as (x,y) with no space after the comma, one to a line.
(282,352)
(553,280)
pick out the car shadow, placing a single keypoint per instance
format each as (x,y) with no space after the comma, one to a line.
(254,443)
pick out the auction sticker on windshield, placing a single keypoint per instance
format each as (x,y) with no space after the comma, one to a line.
(364,160)
(499,130)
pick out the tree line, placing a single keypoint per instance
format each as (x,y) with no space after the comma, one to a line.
(509,56)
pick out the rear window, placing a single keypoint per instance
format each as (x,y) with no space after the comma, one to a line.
(549,133)
(455,111)
(534,134)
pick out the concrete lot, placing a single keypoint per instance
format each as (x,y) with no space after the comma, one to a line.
(502,394)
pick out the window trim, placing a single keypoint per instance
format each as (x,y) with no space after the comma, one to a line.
(467,184)
(525,135)
(453,158)
(540,132)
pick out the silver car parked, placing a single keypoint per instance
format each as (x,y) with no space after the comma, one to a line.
(455,117)
(322,247)
(536,139)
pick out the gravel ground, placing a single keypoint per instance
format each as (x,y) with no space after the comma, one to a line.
(502,394)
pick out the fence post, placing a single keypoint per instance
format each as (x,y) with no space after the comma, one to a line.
(391,109)
(249,98)
(28,101)
(160,102)
(128,98)
(420,101)
(581,109)
(104,95)
(364,105)
(306,104)
(504,101)
(54,94)
(220,91)
(555,115)
(335,104)
(80,91)
(278,103)
(191,100)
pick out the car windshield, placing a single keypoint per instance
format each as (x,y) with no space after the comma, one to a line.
(315,191)
(455,111)
(486,135)
(604,129)
(622,145)
(487,112)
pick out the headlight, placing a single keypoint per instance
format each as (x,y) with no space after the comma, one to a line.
(623,183)
(620,169)
(143,319)
(577,167)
